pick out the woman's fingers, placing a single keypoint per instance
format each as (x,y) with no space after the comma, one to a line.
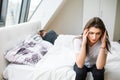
(85,32)
(104,37)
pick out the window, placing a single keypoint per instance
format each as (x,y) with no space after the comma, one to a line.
(3,10)
(17,11)
(33,6)
(0,8)
(13,12)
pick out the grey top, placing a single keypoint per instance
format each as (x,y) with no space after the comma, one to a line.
(93,52)
(50,36)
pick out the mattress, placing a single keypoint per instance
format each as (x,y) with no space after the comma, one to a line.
(18,72)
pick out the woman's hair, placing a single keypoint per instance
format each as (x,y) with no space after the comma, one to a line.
(98,23)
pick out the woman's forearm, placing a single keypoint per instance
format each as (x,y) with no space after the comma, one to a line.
(81,56)
(101,59)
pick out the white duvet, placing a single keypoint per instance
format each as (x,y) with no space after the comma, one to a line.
(58,63)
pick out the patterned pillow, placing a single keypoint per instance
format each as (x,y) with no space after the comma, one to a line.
(29,52)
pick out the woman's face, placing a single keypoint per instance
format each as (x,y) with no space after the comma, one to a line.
(94,35)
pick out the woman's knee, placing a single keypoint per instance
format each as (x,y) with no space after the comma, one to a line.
(80,71)
(98,73)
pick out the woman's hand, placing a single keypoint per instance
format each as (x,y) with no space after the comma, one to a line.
(103,40)
(85,34)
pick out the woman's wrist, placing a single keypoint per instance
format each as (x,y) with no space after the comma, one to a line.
(103,47)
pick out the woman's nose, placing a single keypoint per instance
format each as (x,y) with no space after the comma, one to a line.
(94,36)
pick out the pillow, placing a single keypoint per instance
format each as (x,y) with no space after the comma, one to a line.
(29,52)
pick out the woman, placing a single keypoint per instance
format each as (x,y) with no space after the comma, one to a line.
(91,48)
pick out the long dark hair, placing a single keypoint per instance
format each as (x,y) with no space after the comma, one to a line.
(98,23)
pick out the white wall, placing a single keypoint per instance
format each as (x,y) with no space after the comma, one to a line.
(117,25)
(105,9)
(90,10)
(46,10)
(69,20)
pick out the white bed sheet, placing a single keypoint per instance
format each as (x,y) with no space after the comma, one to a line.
(18,72)
(58,63)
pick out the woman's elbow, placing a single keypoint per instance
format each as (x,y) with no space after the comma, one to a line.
(99,67)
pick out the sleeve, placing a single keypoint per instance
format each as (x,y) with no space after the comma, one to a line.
(77,44)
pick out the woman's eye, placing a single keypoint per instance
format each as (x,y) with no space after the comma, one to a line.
(98,33)
(91,33)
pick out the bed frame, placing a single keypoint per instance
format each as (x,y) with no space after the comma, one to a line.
(12,35)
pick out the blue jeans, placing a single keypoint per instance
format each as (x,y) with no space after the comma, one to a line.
(81,73)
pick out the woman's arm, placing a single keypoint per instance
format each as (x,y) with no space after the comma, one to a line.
(101,59)
(80,58)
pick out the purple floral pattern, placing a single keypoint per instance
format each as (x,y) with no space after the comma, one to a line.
(30,51)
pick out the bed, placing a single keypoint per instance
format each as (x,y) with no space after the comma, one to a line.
(58,63)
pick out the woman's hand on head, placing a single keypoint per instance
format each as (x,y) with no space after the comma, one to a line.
(85,34)
(103,39)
